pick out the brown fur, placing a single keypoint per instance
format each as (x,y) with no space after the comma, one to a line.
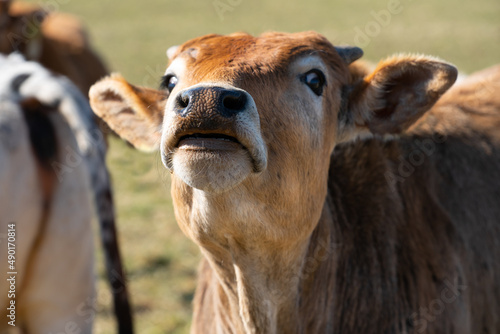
(56,40)
(62,43)
(146,109)
(344,240)
(385,261)
(468,107)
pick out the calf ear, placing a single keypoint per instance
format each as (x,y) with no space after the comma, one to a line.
(134,113)
(397,93)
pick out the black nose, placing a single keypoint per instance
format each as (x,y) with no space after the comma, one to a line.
(225,102)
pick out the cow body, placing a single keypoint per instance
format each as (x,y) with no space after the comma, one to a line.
(60,43)
(468,108)
(407,257)
(316,206)
(51,208)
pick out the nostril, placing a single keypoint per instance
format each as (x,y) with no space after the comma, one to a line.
(234,100)
(225,102)
(183,99)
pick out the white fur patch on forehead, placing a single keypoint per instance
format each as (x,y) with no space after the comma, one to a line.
(308,62)
(171,51)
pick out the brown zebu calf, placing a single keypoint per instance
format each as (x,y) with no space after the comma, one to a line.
(304,226)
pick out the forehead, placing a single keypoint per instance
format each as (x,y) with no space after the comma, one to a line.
(238,54)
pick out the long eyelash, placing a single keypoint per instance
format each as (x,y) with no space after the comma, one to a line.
(164,81)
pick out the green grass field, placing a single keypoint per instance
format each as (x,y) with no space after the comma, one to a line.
(133,36)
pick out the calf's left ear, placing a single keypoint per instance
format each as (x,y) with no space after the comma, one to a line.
(398,92)
(134,113)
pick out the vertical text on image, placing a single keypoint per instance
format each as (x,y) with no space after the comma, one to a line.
(11,273)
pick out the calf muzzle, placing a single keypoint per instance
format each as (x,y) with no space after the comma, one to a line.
(211,100)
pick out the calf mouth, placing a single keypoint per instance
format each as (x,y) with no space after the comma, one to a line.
(211,160)
(213,142)
(209,141)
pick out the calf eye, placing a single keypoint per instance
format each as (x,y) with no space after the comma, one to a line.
(315,79)
(168,82)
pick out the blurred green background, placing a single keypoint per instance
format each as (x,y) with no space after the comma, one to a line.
(133,36)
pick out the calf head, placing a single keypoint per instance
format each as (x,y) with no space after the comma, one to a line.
(246,125)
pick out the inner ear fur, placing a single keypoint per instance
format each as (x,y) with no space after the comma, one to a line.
(134,113)
(399,91)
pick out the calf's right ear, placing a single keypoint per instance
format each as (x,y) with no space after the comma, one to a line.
(134,113)
(395,95)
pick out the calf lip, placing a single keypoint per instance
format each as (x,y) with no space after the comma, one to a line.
(197,138)
(207,140)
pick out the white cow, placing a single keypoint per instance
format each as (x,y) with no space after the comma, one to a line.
(51,161)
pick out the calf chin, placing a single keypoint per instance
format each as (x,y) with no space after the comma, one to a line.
(213,172)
